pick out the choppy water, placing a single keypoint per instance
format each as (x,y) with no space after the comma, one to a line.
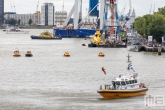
(49,81)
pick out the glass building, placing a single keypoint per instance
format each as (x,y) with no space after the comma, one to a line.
(1,12)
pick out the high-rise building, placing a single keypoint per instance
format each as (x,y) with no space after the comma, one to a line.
(48,14)
(1,12)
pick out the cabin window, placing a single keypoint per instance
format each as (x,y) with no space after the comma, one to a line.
(127,82)
(135,81)
(123,83)
(117,82)
(130,81)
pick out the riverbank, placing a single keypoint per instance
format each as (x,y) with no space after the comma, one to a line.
(31,27)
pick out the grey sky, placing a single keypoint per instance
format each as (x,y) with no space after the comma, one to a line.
(29,6)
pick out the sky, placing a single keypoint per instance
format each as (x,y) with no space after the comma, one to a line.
(141,7)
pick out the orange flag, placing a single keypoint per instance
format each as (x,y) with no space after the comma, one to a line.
(103,70)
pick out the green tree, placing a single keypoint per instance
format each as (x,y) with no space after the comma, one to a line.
(19,21)
(11,21)
(161,10)
(153,25)
(30,21)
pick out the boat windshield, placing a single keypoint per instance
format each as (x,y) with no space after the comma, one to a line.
(117,82)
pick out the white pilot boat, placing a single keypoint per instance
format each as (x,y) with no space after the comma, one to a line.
(126,85)
(15,30)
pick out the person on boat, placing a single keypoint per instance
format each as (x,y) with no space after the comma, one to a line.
(114,85)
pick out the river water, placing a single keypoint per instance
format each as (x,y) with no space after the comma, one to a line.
(49,81)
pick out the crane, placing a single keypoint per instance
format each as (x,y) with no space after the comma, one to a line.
(37,14)
(11,7)
(14,7)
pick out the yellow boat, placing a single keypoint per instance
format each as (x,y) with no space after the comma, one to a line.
(16,53)
(66,54)
(127,85)
(101,54)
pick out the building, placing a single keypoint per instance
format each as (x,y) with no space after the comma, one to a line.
(60,17)
(1,12)
(48,14)
(24,18)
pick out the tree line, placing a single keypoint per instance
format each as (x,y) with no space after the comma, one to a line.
(14,22)
(151,25)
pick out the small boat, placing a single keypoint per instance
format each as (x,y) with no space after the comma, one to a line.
(28,54)
(46,35)
(66,54)
(83,45)
(127,85)
(101,54)
(15,30)
(16,53)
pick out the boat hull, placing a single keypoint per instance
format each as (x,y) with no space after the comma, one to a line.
(38,37)
(17,32)
(16,55)
(113,94)
(28,55)
(74,33)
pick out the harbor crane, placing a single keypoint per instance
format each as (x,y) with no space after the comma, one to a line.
(37,14)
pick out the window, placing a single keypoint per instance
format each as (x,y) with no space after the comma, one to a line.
(130,82)
(117,82)
(127,82)
(123,83)
(135,81)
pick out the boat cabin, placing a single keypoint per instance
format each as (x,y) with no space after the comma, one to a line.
(124,83)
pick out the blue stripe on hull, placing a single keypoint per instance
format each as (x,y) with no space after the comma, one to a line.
(74,32)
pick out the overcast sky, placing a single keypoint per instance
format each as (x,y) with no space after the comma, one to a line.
(141,7)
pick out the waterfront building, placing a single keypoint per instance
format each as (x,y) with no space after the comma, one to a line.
(47,14)
(23,17)
(60,17)
(1,12)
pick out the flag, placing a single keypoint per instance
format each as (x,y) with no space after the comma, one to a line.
(130,67)
(103,70)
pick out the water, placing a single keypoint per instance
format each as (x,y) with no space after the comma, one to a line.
(49,81)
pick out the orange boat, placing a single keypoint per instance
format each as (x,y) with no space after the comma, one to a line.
(66,54)
(16,53)
(101,54)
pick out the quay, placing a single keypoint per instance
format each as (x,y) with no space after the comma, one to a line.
(108,45)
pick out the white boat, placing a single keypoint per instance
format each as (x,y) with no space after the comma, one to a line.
(134,44)
(126,85)
(15,30)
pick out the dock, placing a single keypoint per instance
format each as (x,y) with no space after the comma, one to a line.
(108,45)
(154,49)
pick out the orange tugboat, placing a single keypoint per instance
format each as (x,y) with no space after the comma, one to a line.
(127,85)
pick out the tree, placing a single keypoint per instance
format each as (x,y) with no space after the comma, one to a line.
(161,10)
(151,25)
(19,21)
(11,21)
(30,21)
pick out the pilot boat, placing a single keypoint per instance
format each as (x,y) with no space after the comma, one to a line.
(126,85)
